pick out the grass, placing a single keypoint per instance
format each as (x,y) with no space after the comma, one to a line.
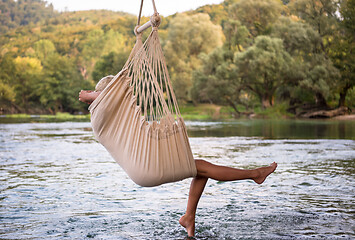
(215,112)
(204,112)
(59,117)
(274,112)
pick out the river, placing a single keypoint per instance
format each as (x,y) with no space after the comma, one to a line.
(57,182)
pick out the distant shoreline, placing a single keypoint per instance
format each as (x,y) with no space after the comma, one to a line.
(62,117)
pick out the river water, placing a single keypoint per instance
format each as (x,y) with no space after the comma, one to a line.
(57,182)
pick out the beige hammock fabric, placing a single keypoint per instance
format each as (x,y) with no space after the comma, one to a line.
(137,119)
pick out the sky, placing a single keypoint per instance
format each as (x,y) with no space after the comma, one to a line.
(164,7)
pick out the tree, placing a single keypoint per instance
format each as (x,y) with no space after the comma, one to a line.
(325,18)
(188,37)
(299,38)
(43,49)
(20,13)
(320,77)
(263,68)
(28,71)
(7,90)
(97,44)
(237,36)
(312,71)
(7,95)
(59,87)
(256,15)
(217,80)
(70,37)
(109,64)
(320,14)
(342,52)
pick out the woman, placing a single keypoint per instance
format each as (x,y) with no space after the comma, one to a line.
(205,170)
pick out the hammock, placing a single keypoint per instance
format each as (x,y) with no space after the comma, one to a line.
(137,119)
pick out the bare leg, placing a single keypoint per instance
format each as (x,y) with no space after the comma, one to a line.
(222,173)
(88,96)
(188,220)
(207,170)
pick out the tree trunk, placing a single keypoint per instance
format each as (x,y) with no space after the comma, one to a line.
(83,72)
(326,114)
(24,102)
(231,103)
(341,102)
(343,94)
(320,100)
(266,101)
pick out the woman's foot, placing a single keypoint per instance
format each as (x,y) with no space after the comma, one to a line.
(263,172)
(88,96)
(188,222)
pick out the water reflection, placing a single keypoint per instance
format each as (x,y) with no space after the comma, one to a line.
(275,129)
(57,182)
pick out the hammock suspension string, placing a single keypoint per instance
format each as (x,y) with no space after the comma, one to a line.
(149,74)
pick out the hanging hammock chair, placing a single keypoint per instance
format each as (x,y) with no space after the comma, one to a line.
(137,119)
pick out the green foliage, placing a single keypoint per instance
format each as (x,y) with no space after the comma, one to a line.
(350,98)
(256,15)
(43,49)
(320,76)
(342,50)
(28,71)
(312,71)
(241,54)
(278,111)
(7,93)
(189,36)
(202,112)
(260,70)
(7,67)
(21,13)
(217,81)
(264,67)
(217,12)
(98,43)
(237,35)
(109,64)
(60,85)
(66,49)
(58,117)
(299,38)
(348,13)
(320,14)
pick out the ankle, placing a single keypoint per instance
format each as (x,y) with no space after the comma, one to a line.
(255,173)
(189,216)
(188,222)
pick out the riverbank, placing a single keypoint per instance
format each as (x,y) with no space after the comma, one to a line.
(200,112)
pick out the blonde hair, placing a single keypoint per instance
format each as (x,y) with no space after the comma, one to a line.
(101,85)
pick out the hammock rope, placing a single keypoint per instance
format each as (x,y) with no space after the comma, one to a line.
(149,77)
(140,13)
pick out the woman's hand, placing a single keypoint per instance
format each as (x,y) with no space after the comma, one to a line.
(84,96)
(88,96)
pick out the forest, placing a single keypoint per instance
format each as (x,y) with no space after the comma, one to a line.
(240,54)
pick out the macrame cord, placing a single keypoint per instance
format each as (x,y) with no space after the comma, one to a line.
(149,74)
